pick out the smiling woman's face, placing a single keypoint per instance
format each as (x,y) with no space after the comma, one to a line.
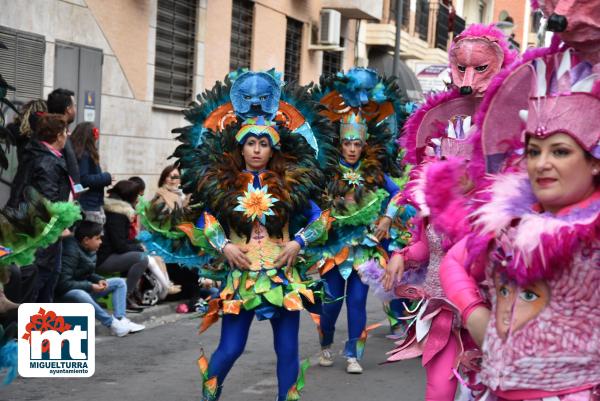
(515,306)
(559,171)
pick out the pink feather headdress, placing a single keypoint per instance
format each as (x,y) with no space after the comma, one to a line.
(564,99)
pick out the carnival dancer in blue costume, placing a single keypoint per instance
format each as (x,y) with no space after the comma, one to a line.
(367,112)
(251,164)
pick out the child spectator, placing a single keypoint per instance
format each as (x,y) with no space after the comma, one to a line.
(78,281)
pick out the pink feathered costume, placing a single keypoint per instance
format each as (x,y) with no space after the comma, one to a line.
(436,137)
(546,262)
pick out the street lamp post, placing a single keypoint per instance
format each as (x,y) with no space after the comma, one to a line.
(399,8)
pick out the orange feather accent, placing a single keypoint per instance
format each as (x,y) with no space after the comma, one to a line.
(232,307)
(292,301)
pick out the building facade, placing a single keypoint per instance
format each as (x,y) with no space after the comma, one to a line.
(134,64)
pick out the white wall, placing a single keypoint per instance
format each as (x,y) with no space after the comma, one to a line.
(135,135)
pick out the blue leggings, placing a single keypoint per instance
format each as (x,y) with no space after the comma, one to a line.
(234,334)
(356,304)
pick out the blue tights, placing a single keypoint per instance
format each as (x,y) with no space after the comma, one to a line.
(356,305)
(234,334)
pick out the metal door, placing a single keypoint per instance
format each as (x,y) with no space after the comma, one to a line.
(79,69)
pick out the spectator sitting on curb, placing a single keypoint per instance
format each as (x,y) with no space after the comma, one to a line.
(78,281)
(118,253)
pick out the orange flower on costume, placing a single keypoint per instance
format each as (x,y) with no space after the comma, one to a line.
(256,203)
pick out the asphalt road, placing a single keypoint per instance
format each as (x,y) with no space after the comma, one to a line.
(159,364)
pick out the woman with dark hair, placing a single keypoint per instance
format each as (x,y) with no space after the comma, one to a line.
(140,182)
(169,190)
(44,169)
(23,126)
(84,139)
(118,253)
(255,187)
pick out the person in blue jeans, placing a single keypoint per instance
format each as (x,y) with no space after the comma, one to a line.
(78,281)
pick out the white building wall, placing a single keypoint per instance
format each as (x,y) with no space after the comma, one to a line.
(136,136)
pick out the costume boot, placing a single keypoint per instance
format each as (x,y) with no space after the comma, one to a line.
(5,303)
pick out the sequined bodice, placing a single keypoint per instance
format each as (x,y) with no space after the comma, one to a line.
(432,285)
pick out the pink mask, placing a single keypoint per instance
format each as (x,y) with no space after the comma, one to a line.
(474,62)
(576,21)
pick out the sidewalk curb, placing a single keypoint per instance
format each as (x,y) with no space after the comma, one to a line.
(147,316)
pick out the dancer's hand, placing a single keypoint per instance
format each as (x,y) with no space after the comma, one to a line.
(97,288)
(395,269)
(287,256)
(103,284)
(236,256)
(477,323)
(382,230)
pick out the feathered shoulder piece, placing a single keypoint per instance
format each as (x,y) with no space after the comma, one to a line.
(369,175)
(377,99)
(381,96)
(214,174)
(447,197)
(36,223)
(530,244)
(247,94)
(428,112)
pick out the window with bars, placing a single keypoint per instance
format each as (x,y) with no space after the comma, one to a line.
(332,61)
(175,52)
(442,25)
(22,64)
(293,48)
(241,34)
(422,19)
(405,12)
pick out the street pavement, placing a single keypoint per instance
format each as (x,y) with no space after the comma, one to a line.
(159,364)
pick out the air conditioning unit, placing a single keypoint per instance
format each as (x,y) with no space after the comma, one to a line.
(329,27)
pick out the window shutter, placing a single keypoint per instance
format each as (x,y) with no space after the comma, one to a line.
(293,48)
(175,52)
(241,34)
(332,61)
(22,64)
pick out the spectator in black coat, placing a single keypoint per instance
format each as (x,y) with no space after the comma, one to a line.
(84,140)
(62,101)
(43,167)
(118,253)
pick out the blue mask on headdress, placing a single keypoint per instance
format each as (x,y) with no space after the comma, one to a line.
(356,87)
(255,94)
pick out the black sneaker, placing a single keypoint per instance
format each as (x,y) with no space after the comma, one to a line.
(133,306)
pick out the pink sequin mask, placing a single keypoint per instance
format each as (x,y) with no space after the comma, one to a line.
(474,62)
